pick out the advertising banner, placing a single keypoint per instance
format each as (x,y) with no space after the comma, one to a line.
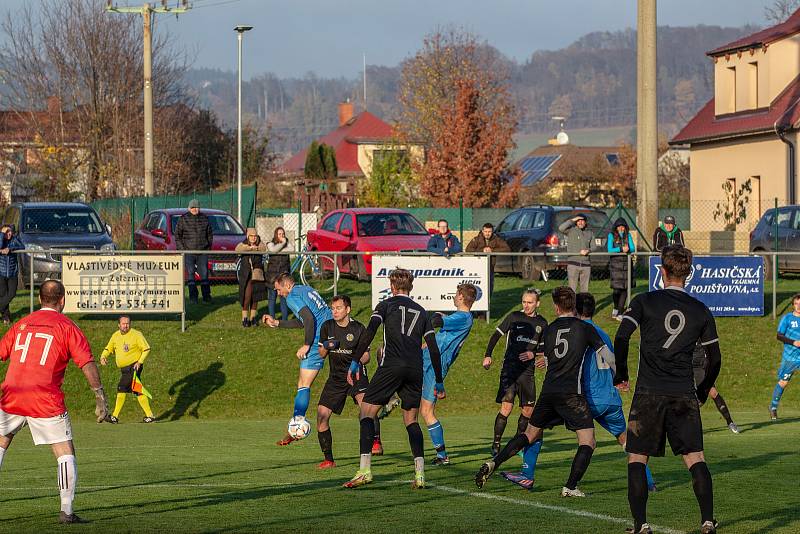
(123,283)
(435,279)
(728,285)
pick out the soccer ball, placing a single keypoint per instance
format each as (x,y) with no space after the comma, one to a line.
(299,427)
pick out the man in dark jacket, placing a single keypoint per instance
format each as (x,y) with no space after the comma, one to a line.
(9,269)
(194,232)
(488,241)
(444,243)
(668,234)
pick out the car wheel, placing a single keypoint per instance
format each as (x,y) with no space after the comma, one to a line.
(530,269)
(767,266)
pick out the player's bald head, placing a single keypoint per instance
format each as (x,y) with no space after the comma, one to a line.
(51,293)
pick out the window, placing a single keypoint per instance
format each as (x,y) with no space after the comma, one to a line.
(375,224)
(151,221)
(330,223)
(162,223)
(731,85)
(539,219)
(220,224)
(784,217)
(396,158)
(61,221)
(347,224)
(752,85)
(508,222)
(525,221)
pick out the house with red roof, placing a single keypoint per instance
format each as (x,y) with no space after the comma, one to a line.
(358,141)
(746,136)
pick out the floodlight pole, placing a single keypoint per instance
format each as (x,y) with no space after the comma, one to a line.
(646,120)
(239,32)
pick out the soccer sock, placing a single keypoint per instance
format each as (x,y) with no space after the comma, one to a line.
(522,424)
(144,402)
(529,459)
(579,465)
(650,480)
(326,444)
(67,477)
(777,393)
(120,402)
(2,453)
(723,408)
(377,429)
(415,440)
(437,438)
(499,427)
(637,493)
(703,490)
(301,400)
(367,435)
(419,463)
(512,447)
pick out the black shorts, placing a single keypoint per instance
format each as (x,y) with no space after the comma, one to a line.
(569,409)
(336,390)
(516,382)
(405,381)
(655,418)
(126,379)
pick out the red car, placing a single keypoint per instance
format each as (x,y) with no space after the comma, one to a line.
(367,230)
(158,227)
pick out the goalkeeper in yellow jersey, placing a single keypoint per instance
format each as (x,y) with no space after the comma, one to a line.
(131,350)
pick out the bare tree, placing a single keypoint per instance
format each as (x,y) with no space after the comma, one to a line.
(75,75)
(780,10)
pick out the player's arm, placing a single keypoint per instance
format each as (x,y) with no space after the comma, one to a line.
(145,350)
(436,361)
(630,322)
(327,344)
(437,320)
(81,354)
(602,349)
(710,341)
(498,334)
(108,351)
(306,322)
(782,329)
(375,321)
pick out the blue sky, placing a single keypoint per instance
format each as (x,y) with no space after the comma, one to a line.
(292,37)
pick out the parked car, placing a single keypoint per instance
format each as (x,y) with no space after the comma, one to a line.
(535,229)
(367,230)
(158,229)
(762,238)
(55,225)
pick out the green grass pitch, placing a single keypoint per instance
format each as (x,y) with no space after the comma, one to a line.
(225,394)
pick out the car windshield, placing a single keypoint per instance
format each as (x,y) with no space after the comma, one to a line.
(595,220)
(61,221)
(373,224)
(221,224)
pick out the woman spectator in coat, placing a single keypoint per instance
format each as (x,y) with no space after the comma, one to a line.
(9,269)
(278,263)
(620,242)
(250,272)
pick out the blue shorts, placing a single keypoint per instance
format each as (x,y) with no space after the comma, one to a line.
(609,417)
(787,368)
(429,377)
(313,360)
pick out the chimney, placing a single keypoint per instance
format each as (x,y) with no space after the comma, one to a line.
(53,105)
(345,112)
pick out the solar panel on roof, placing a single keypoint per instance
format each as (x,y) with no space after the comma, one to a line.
(536,168)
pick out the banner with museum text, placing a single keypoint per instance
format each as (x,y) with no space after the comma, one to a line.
(123,283)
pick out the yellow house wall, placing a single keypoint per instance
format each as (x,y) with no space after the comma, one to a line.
(365,155)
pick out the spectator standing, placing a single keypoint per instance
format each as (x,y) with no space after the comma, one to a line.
(487,241)
(444,243)
(668,234)
(579,244)
(278,263)
(194,232)
(620,242)
(251,276)
(9,269)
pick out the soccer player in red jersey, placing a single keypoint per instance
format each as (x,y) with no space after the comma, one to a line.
(38,348)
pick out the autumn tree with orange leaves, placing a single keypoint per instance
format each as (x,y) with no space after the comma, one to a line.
(455,100)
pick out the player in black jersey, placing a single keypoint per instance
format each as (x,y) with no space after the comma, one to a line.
(405,326)
(338,339)
(561,400)
(524,332)
(666,405)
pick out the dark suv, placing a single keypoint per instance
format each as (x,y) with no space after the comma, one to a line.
(535,229)
(787,227)
(55,225)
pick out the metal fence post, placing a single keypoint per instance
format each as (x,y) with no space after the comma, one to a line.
(461,221)
(774,282)
(628,281)
(30,256)
(335,278)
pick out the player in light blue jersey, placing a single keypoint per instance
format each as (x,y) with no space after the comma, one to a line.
(310,311)
(789,335)
(597,383)
(453,330)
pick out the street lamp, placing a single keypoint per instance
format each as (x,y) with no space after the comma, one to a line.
(239,31)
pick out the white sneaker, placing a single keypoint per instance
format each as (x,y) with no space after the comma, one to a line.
(614,314)
(733,428)
(566,492)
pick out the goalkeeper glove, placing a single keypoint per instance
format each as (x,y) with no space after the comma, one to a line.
(355,370)
(330,344)
(101,404)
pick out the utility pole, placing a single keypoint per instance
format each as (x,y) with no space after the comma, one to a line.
(646,120)
(240,29)
(147,12)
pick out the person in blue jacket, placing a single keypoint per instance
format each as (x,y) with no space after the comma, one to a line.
(444,243)
(9,269)
(620,242)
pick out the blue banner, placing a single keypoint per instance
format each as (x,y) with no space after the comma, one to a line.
(729,285)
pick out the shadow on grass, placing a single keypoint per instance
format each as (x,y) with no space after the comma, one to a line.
(192,390)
